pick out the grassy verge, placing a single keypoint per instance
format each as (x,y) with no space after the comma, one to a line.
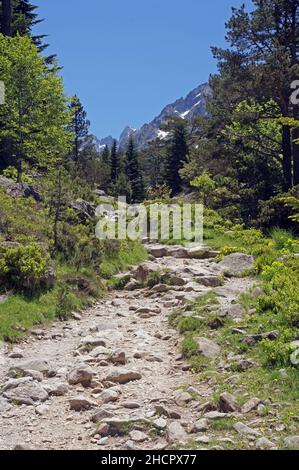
(270,375)
(73,291)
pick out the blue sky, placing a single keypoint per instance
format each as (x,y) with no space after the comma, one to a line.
(126,59)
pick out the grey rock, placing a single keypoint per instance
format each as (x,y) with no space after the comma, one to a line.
(81,403)
(40,365)
(4,406)
(228,403)
(182,398)
(119,426)
(201,425)
(138,436)
(109,395)
(100,414)
(176,434)
(250,405)
(245,430)
(26,394)
(160,423)
(236,264)
(122,376)
(41,410)
(216,415)
(14,383)
(131,405)
(80,375)
(265,444)
(208,348)
(292,442)
(57,389)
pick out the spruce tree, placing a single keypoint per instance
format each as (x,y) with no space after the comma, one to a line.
(105,157)
(133,172)
(262,62)
(18,17)
(6,18)
(79,126)
(177,155)
(114,161)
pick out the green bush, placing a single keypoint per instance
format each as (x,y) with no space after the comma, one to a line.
(282,238)
(276,353)
(24,267)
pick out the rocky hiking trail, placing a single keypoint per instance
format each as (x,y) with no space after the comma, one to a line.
(114,377)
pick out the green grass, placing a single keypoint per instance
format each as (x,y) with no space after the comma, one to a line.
(73,291)
(19,311)
(281,238)
(186,324)
(189,346)
(128,255)
(223,424)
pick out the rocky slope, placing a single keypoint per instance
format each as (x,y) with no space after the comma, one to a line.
(191,106)
(114,378)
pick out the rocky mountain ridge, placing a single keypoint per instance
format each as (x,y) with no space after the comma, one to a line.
(189,107)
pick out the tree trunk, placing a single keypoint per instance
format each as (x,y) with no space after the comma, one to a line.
(287,157)
(19,169)
(6,17)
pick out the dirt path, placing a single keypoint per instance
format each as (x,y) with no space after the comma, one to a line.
(123,337)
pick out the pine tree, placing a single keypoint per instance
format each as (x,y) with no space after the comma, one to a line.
(23,18)
(6,18)
(133,172)
(177,155)
(261,64)
(105,157)
(79,126)
(114,161)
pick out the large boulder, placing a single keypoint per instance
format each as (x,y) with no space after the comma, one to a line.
(84,209)
(208,348)
(80,375)
(81,403)
(236,264)
(26,394)
(144,270)
(175,433)
(40,365)
(19,190)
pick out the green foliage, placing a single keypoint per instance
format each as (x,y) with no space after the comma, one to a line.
(22,219)
(205,186)
(78,127)
(283,299)
(12,173)
(119,255)
(292,203)
(189,346)
(176,155)
(134,174)
(24,267)
(35,112)
(281,238)
(276,353)
(189,324)
(66,302)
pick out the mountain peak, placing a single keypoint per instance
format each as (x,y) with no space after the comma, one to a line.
(188,107)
